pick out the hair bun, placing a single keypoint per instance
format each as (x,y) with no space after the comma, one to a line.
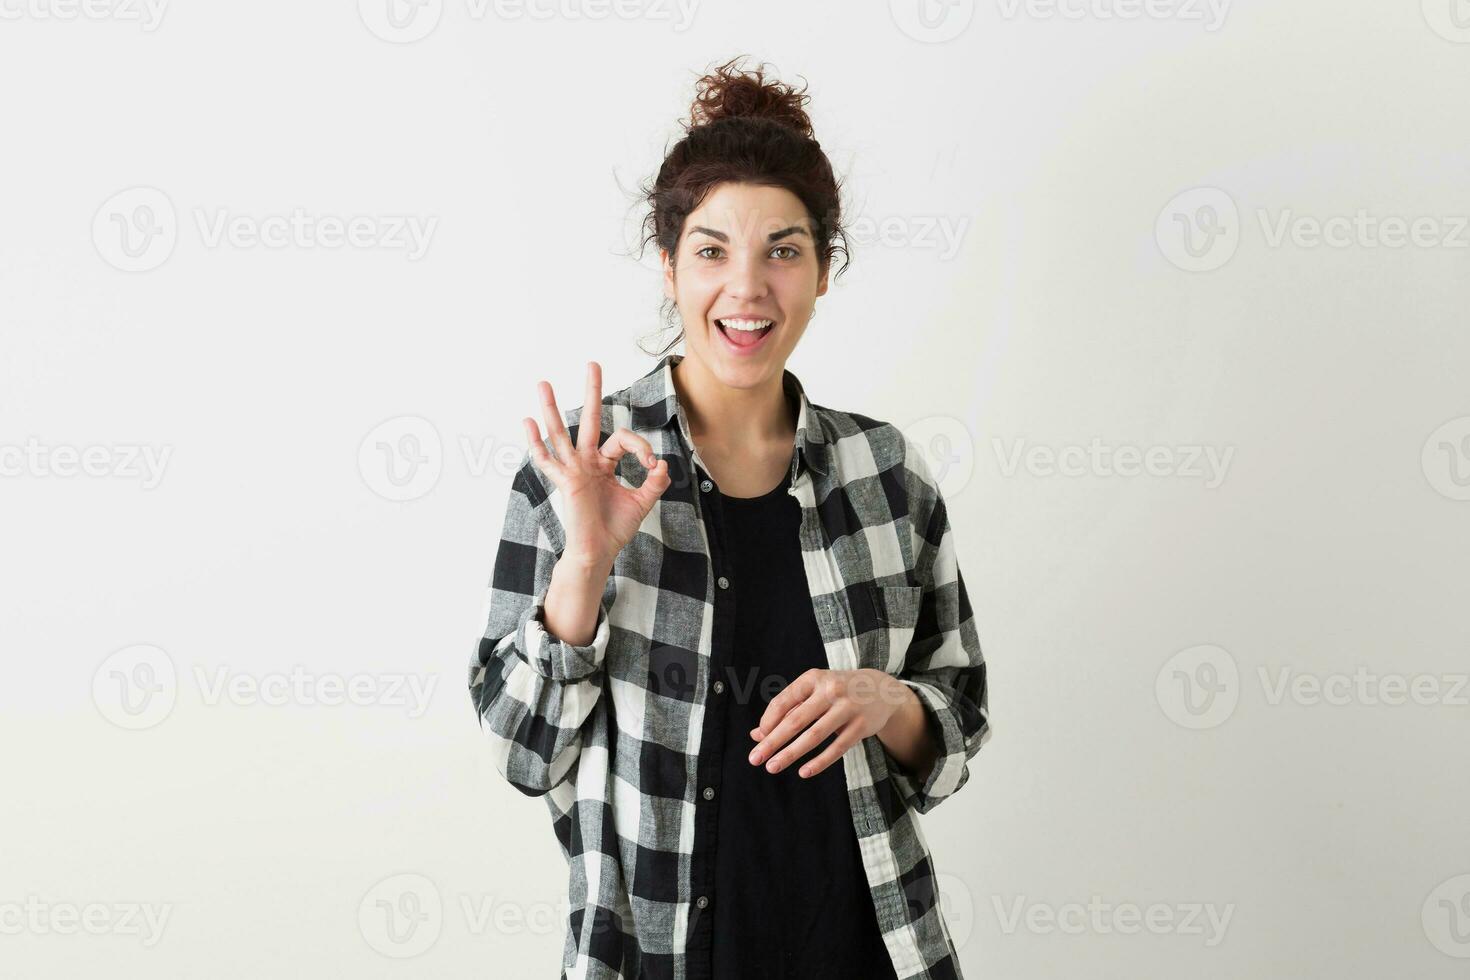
(727,93)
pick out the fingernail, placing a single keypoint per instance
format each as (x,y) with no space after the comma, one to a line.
(754,757)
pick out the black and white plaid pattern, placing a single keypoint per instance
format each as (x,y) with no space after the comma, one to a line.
(608,734)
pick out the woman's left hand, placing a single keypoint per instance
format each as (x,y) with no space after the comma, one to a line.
(852,703)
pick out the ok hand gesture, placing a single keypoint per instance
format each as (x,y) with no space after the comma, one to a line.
(601,515)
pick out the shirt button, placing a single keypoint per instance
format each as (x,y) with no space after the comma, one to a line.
(709,792)
(706,486)
(702,902)
(724,582)
(719,687)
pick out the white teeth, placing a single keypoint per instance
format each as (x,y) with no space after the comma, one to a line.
(745,324)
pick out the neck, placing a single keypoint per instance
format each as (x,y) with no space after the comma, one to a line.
(729,418)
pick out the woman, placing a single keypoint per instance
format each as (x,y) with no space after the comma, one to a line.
(728,640)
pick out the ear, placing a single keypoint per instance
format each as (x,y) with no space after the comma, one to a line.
(822,284)
(668,267)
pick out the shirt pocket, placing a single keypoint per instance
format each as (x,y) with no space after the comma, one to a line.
(884,618)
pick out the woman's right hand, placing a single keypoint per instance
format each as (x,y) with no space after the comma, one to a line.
(600,515)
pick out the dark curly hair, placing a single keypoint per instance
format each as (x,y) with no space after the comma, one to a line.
(745,129)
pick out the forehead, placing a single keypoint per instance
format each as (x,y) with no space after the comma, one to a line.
(749,211)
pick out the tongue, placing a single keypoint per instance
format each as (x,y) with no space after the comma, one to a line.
(745,338)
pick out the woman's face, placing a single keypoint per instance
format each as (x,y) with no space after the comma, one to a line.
(747,250)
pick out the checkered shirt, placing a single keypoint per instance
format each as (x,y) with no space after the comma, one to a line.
(608,734)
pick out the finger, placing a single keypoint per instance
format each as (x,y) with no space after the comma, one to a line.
(846,739)
(537,448)
(816,733)
(625,440)
(793,693)
(556,429)
(589,427)
(657,479)
(795,721)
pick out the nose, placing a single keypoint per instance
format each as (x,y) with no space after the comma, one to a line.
(747,277)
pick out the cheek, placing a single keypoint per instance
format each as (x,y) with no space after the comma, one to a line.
(798,283)
(696,296)
(793,336)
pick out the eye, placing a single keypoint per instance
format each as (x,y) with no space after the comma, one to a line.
(708,248)
(795,252)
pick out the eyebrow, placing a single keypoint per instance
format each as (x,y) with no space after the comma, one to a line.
(773,236)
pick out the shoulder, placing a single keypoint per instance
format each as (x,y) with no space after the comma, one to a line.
(866,444)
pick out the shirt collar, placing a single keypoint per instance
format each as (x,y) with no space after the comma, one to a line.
(655,404)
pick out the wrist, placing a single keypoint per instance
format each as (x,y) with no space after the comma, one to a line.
(586,566)
(907,735)
(899,697)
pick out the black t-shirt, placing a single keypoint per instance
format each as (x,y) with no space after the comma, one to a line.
(791,899)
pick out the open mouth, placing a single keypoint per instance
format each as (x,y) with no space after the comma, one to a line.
(745,334)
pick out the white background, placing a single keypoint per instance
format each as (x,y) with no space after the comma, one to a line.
(1053,143)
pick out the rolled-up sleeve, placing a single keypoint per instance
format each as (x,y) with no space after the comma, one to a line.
(532,691)
(943,664)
